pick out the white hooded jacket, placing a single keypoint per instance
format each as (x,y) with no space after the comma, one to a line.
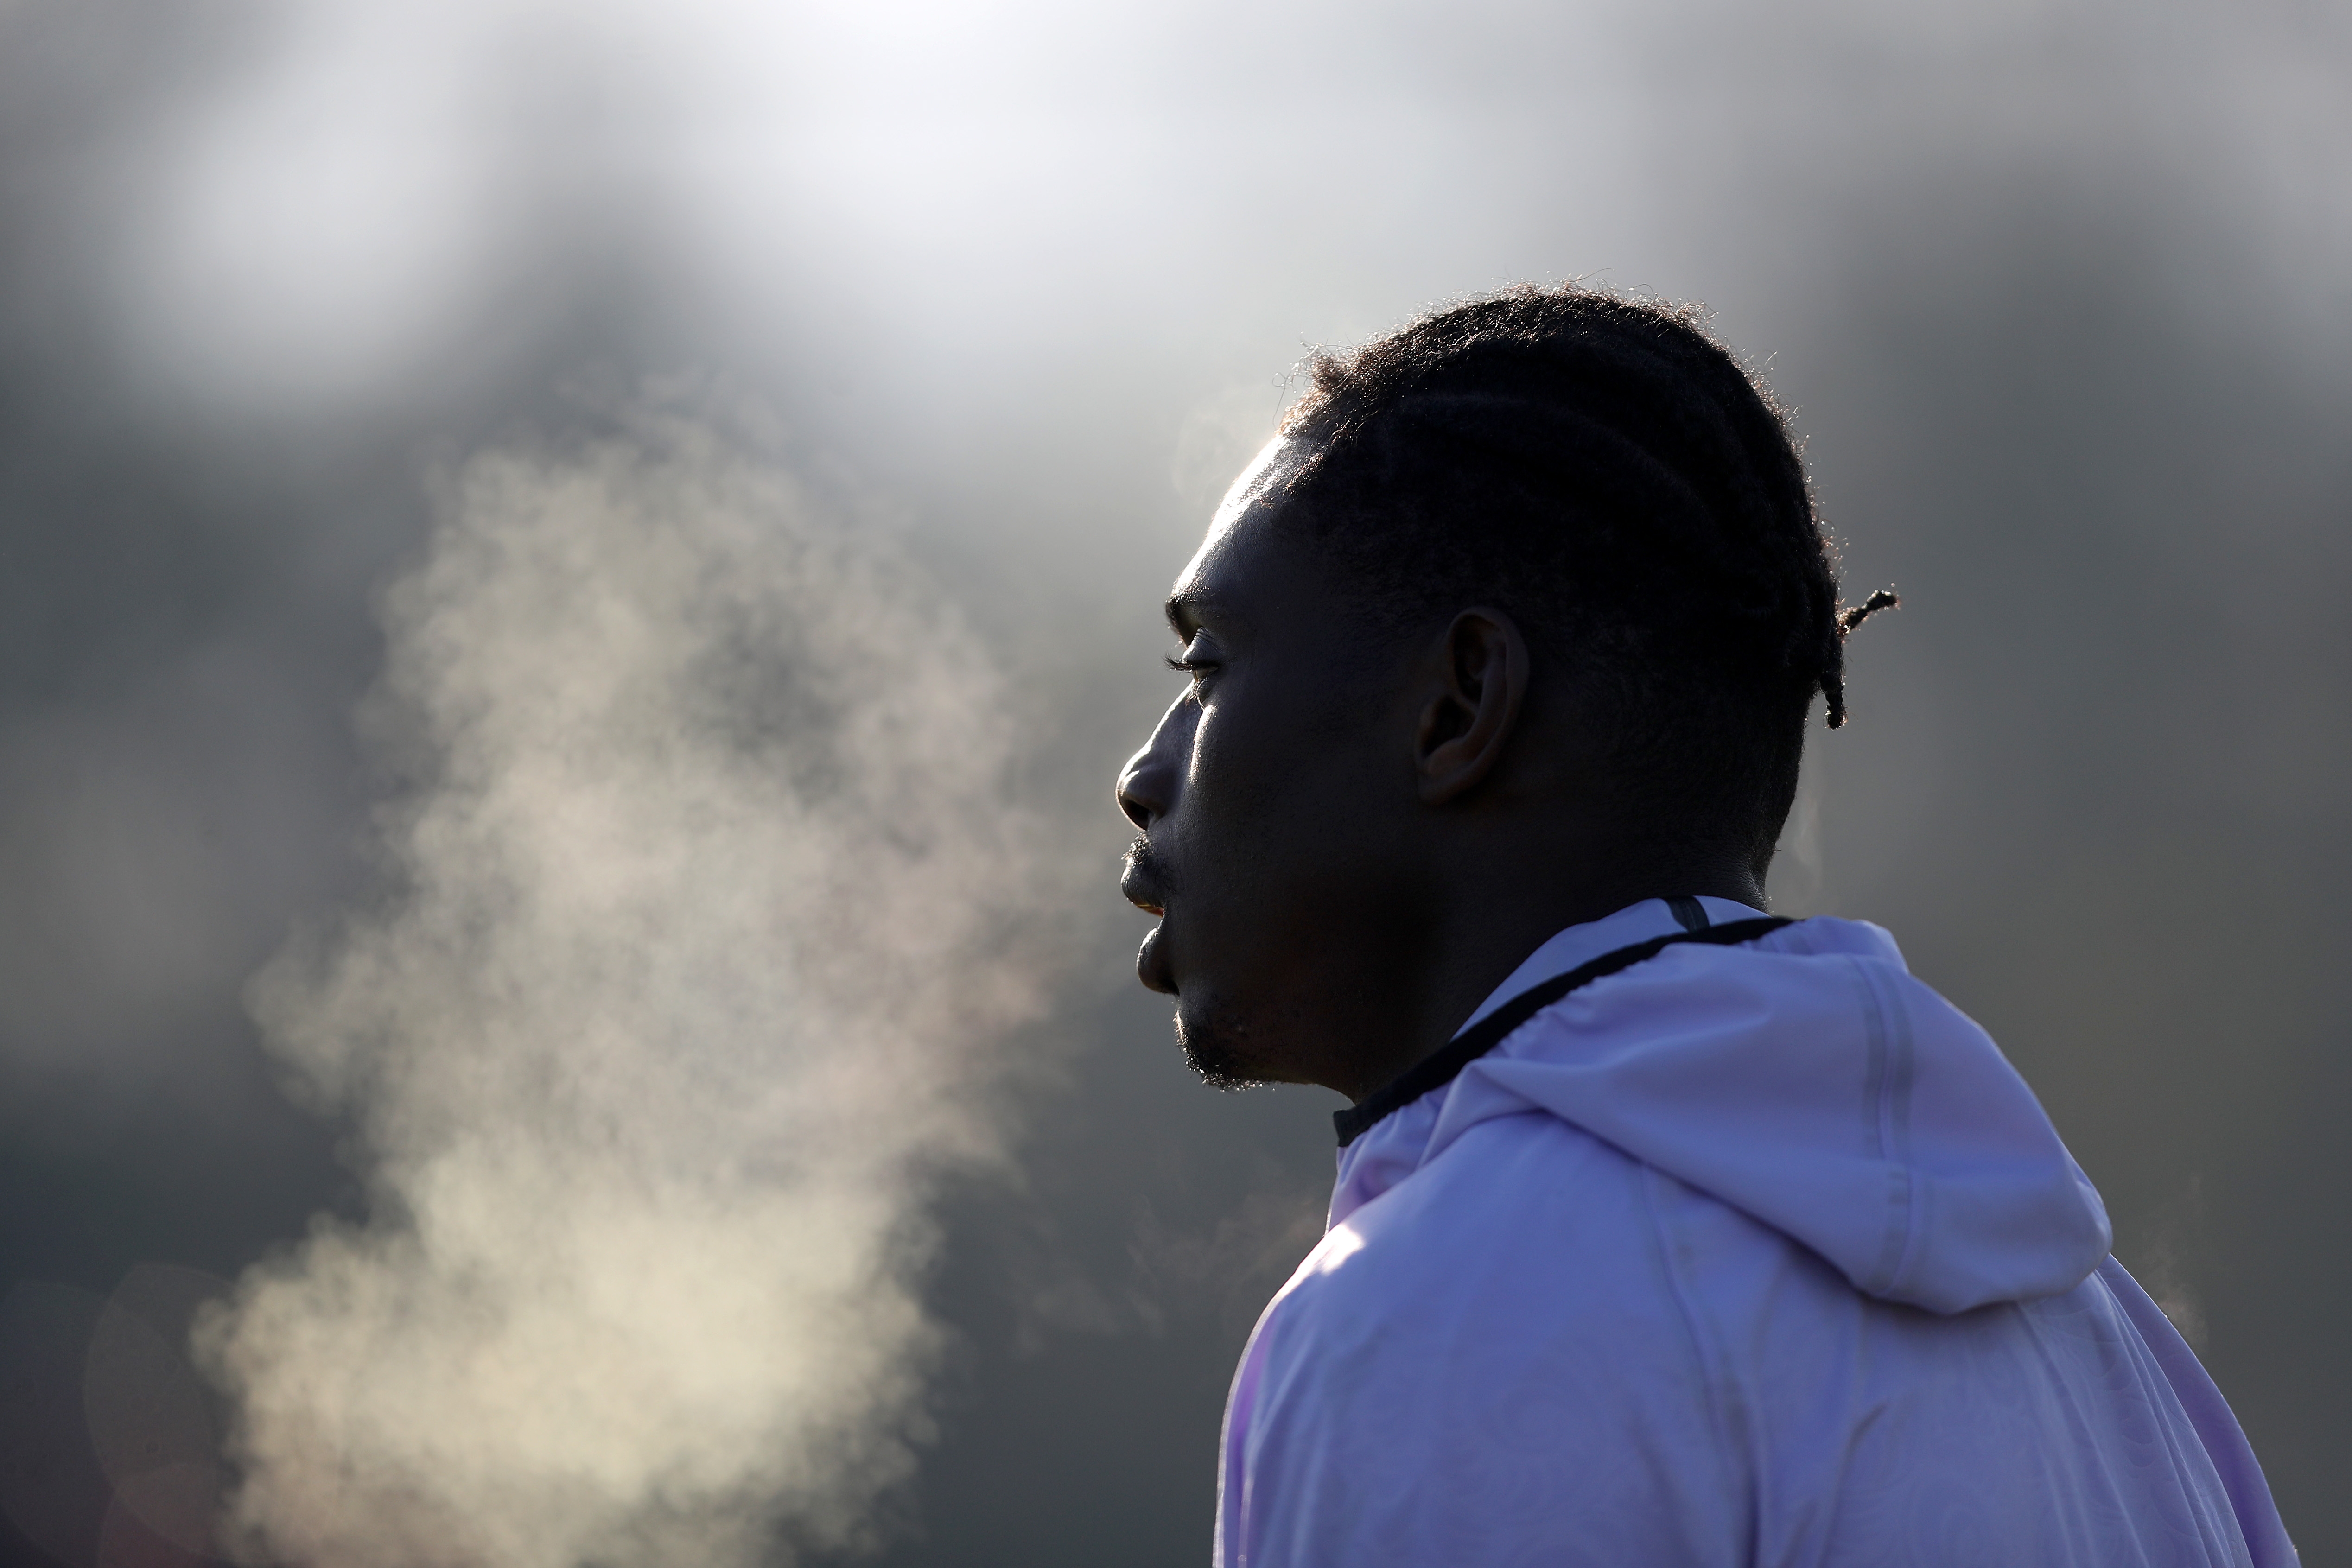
(1744,1254)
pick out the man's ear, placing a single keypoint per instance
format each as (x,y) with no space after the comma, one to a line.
(1479,679)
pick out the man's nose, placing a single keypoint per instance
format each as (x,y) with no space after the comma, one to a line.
(1142,800)
(1148,785)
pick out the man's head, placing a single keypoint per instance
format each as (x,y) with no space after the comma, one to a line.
(1517,621)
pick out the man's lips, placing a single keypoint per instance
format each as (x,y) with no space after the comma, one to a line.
(1140,885)
(1137,890)
(1145,889)
(1152,966)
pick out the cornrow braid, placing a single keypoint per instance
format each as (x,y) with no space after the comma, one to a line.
(1833,679)
(1602,469)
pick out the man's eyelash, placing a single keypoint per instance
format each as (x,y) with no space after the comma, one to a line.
(1188,666)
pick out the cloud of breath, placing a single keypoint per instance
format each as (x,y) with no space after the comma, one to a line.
(706,917)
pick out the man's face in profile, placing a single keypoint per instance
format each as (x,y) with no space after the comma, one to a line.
(1271,841)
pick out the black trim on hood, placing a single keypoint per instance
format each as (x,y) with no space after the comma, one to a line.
(1440,1067)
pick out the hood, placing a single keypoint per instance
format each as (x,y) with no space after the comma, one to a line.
(1807,1081)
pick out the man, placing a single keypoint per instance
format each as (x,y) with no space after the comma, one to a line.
(1665,1232)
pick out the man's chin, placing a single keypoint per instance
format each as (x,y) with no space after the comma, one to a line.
(1221,1055)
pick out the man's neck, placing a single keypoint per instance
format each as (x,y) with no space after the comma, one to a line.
(1483,933)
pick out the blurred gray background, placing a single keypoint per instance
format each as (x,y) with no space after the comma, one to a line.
(2062,294)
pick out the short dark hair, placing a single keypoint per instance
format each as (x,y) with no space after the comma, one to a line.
(1603,469)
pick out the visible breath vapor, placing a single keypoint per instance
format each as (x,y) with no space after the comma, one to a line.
(707,913)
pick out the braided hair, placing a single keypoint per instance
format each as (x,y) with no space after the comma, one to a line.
(1606,472)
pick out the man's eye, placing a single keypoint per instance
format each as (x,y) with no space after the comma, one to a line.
(1191,660)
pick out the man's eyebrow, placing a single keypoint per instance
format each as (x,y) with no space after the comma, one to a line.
(1183,612)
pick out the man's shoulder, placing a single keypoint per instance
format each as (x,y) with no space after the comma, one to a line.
(1524,1232)
(1524,1189)
(1493,1347)
(1581,1348)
